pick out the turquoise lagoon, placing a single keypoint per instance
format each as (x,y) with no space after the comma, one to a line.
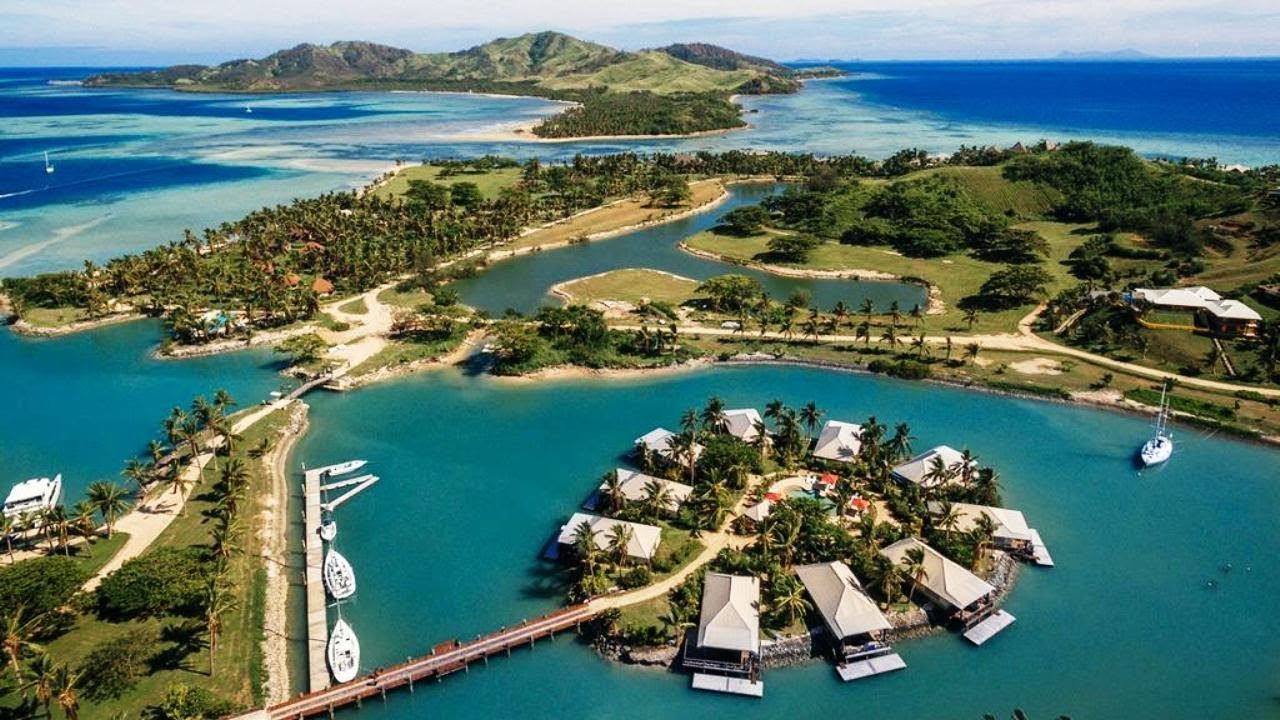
(522,283)
(478,473)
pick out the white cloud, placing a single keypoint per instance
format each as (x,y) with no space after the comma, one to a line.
(835,28)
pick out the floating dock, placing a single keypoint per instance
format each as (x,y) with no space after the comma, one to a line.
(989,628)
(317,612)
(1039,551)
(880,664)
(726,684)
(364,480)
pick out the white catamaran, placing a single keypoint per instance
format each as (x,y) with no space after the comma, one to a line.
(343,652)
(1160,446)
(32,497)
(339,577)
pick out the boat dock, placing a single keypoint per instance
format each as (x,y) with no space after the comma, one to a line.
(317,612)
(1038,550)
(867,667)
(444,659)
(989,628)
(726,684)
(361,483)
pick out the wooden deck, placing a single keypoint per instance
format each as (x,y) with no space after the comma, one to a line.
(1039,551)
(989,628)
(317,612)
(444,659)
(858,669)
(726,684)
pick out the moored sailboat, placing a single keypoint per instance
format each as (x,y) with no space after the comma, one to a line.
(1160,447)
(339,577)
(343,652)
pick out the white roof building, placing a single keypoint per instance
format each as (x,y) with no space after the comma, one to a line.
(642,545)
(845,608)
(658,441)
(742,423)
(1009,524)
(919,467)
(633,483)
(759,511)
(944,581)
(1233,310)
(839,441)
(1200,298)
(730,618)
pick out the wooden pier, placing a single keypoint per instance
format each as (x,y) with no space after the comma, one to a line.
(444,659)
(317,612)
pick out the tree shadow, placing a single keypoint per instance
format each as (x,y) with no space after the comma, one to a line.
(185,639)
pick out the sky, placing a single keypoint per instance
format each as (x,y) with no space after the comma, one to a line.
(100,32)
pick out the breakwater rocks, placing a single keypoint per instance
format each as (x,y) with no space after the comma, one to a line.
(792,649)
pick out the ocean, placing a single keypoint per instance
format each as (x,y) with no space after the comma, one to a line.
(133,168)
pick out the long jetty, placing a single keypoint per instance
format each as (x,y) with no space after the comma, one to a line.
(317,611)
(444,659)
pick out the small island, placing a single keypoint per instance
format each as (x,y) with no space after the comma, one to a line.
(680,89)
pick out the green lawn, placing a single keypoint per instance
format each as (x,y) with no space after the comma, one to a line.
(402,352)
(490,183)
(410,299)
(987,184)
(956,276)
(354,307)
(53,317)
(632,285)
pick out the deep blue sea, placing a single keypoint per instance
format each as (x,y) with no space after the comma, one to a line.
(135,167)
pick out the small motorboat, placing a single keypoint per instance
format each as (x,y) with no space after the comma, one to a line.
(341,468)
(343,652)
(1160,447)
(339,578)
(328,530)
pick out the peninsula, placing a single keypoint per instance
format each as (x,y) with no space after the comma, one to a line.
(674,90)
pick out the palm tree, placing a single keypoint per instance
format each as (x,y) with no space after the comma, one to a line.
(789,602)
(138,473)
(811,416)
(968,464)
(68,699)
(863,332)
(713,416)
(155,449)
(43,674)
(984,528)
(970,317)
(841,313)
(890,335)
(82,522)
(222,539)
(868,308)
(620,536)
(917,315)
(921,345)
(774,409)
(178,482)
(895,313)
(689,420)
(109,500)
(218,601)
(657,498)
(888,578)
(235,478)
(947,517)
(612,491)
(684,447)
(584,543)
(971,351)
(16,641)
(899,446)
(949,346)
(913,567)
(939,473)
(7,528)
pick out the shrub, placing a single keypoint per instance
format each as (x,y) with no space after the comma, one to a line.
(161,582)
(636,577)
(184,702)
(115,666)
(40,585)
(905,369)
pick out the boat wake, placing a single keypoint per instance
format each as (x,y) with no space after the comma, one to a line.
(19,193)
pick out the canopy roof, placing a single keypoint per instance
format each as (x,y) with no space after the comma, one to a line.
(642,544)
(633,485)
(838,441)
(943,580)
(917,468)
(1009,523)
(840,599)
(730,618)
(658,441)
(742,423)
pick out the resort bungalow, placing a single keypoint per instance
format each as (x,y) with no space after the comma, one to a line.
(838,441)
(853,621)
(657,443)
(642,543)
(743,424)
(1011,531)
(967,599)
(633,485)
(1222,317)
(921,470)
(726,656)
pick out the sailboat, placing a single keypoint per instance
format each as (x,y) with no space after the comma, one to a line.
(48,167)
(343,652)
(1160,446)
(339,577)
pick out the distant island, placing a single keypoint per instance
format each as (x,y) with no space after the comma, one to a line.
(674,90)
(1125,54)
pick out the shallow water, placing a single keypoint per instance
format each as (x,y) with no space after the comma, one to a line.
(523,282)
(478,473)
(144,164)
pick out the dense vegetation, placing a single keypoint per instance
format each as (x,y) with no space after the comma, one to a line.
(642,113)
(578,335)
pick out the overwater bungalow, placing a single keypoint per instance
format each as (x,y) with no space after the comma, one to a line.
(726,655)
(658,443)
(921,469)
(967,599)
(634,486)
(839,441)
(853,621)
(1011,531)
(743,424)
(642,543)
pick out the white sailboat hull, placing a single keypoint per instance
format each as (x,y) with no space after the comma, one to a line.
(341,468)
(328,530)
(1156,450)
(343,652)
(339,577)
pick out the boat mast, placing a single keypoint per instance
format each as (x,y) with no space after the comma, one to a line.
(1163,415)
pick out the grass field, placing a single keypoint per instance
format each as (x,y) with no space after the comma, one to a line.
(490,183)
(987,184)
(402,352)
(53,317)
(238,664)
(632,285)
(956,276)
(354,307)
(624,213)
